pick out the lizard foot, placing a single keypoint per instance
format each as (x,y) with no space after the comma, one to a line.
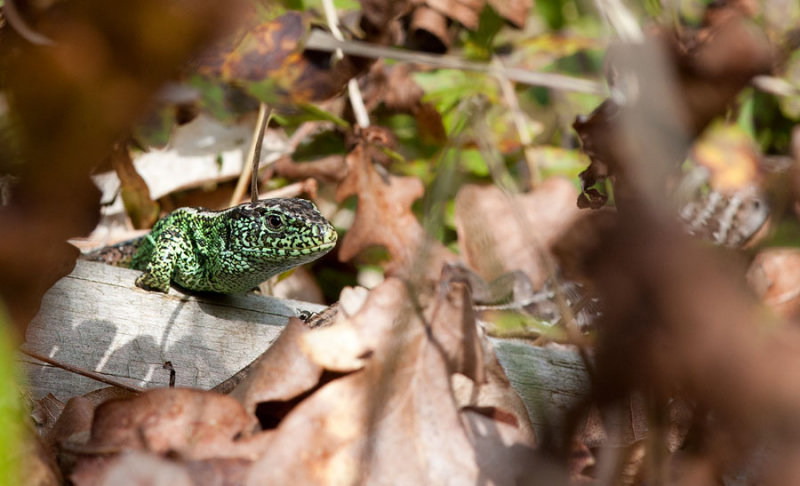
(148,282)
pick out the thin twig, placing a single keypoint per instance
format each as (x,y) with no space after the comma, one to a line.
(16,22)
(256,159)
(247,168)
(308,186)
(80,371)
(621,20)
(322,41)
(520,123)
(356,100)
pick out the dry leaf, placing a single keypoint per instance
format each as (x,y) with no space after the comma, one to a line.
(133,469)
(499,234)
(775,276)
(191,423)
(712,65)
(384,217)
(281,373)
(395,421)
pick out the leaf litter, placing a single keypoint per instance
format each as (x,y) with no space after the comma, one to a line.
(691,374)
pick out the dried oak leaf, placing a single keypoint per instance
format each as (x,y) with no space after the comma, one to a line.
(282,373)
(499,234)
(193,424)
(384,217)
(395,420)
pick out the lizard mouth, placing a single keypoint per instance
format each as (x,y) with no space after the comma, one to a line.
(314,249)
(294,252)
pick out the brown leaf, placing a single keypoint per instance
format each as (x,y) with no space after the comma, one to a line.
(775,276)
(466,12)
(428,31)
(134,469)
(270,62)
(267,382)
(190,423)
(384,217)
(514,11)
(498,234)
(379,16)
(396,417)
(712,65)
(394,86)
(76,417)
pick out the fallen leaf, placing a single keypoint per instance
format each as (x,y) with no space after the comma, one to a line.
(499,234)
(396,417)
(282,373)
(190,423)
(384,217)
(134,469)
(134,192)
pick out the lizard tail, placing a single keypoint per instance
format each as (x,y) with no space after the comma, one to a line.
(119,255)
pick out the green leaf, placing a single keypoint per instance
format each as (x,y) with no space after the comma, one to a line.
(472,161)
(309,112)
(12,413)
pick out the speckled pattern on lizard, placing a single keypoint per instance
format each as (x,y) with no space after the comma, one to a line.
(233,250)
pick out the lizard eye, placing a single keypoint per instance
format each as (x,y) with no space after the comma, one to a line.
(275,221)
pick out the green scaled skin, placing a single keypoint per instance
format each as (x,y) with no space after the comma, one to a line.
(234,250)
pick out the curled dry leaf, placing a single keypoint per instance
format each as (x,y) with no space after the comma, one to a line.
(384,217)
(395,420)
(499,234)
(429,25)
(135,194)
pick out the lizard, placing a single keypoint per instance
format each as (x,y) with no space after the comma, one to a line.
(228,251)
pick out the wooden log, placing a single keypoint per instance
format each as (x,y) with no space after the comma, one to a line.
(96,319)
(549,381)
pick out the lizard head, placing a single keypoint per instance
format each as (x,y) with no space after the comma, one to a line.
(282,233)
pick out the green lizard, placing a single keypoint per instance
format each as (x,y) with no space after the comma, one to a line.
(230,251)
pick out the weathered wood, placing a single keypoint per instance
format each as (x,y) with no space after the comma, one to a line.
(96,319)
(549,381)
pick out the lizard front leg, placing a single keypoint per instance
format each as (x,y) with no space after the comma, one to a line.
(167,250)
